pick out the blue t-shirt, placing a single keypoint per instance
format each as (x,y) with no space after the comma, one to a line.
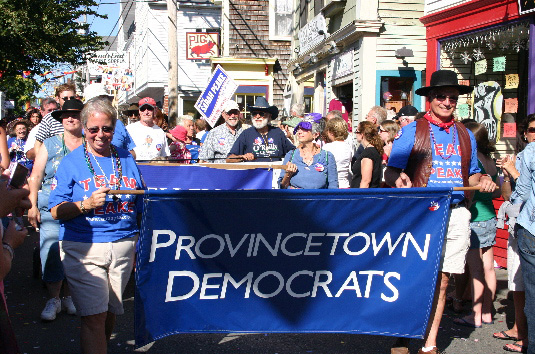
(121,137)
(112,221)
(446,171)
(17,154)
(271,147)
(321,174)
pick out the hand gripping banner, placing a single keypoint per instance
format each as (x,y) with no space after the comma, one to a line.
(354,260)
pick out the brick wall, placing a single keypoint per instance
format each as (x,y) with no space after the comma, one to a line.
(249,38)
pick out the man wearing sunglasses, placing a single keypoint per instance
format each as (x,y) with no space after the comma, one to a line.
(261,142)
(49,126)
(436,151)
(150,139)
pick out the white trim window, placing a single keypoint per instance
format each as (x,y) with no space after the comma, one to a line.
(281,19)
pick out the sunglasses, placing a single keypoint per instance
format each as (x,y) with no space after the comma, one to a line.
(442,98)
(105,129)
(258,113)
(66,98)
(144,108)
(531,130)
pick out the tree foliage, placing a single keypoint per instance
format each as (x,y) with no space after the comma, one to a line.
(36,35)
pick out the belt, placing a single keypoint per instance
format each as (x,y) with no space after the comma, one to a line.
(462,203)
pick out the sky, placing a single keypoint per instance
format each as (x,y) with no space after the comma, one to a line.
(104,26)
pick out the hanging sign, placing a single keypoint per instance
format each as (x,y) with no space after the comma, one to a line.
(463,111)
(309,35)
(511,81)
(202,45)
(499,64)
(511,105)
(487,109)
(525,6)
(481,66)
(509,130)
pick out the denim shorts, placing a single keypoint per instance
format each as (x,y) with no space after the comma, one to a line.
(49,245)
(483,233)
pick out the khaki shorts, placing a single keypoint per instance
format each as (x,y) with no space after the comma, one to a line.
(456,242)
(97,274)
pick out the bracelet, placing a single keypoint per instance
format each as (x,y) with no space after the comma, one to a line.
(8,247)
(486,175)
(84,210)
(506,181)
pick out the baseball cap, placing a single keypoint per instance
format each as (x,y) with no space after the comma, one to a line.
(406,111)
(147,101)
(230,105)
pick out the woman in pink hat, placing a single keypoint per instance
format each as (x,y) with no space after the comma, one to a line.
(179,151)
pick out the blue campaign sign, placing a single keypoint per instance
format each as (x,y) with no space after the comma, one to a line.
(162,176)
(354,260)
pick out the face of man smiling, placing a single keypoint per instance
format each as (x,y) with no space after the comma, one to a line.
(443,102)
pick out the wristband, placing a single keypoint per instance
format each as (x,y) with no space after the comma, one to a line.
(8,247)
(84,210)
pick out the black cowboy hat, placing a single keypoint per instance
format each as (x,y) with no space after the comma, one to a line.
(444,78)
(68,106)
(262,105)
(134,108)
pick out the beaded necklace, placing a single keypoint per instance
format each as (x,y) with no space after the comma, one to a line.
(117,164)
(435,142)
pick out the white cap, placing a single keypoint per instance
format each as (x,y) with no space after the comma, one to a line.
(230,105)
(94,90)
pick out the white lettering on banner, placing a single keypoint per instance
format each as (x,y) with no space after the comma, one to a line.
(292,245)
(351,283)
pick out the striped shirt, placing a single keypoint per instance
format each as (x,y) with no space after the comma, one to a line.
(48,128)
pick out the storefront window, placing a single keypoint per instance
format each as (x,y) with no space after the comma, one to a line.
(245,100)
(396,92)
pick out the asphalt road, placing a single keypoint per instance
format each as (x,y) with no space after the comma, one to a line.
(27,297)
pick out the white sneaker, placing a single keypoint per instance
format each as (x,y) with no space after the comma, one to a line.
(52,308)
(68,305)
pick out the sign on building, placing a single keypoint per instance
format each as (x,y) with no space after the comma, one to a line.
(202,45)
(310,35)
(113,68)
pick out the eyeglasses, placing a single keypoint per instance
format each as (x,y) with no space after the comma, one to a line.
(144,108)
(105,129)
(381,130)
(531,130)
(66,98)
(442,98)
(258,113)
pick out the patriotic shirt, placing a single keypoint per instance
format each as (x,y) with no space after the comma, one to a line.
(271,147)
(116,219)
(151,142)
(446,170)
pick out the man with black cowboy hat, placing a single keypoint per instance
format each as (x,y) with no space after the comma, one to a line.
(437,151)
(261,142)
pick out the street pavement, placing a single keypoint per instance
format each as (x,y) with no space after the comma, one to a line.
(26,298)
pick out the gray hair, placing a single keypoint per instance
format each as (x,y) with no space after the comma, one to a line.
(100,105)
(379,113)
(299,109)
(180,119)
(47,101)
(336,113)
(316,128)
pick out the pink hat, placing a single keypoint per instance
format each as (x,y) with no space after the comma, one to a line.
(179,132)
(147,101)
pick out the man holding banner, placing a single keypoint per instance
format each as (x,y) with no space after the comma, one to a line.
(221,139)
(261,142)
(436,151)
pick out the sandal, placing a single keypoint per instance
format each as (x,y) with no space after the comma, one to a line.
(456,305)
(515,348)
(504,336)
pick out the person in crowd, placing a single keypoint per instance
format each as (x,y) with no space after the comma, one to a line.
(132,113)
(159,119)
(49,126)
(424,137)
(288,125)
(150,139)
(34,117)
(178,149)
(480,256)
(201,129)
(336,132)
(4,151)
(54,149)
(261,142)
(511,167)
(524,193)
(16,144)
(221,139)
(367,169)
(376,115)
(192,143)
(47,106)
(406,115)
(11,238)
(298,110)
(334,114)
(98,232)
(388,130)
(309,166)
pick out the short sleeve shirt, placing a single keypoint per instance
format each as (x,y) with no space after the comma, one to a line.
(151,142)
(271,147)
(48,128)
(218,143)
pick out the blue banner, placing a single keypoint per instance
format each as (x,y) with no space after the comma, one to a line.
(354,260)
(162,176)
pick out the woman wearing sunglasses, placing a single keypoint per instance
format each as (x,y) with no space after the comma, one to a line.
(41,182)
(367,168)
(98,232)
(309,166)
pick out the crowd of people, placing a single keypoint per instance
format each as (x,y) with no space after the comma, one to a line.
(78,151)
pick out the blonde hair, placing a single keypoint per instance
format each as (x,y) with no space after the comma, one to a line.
(338,128)
(392,128)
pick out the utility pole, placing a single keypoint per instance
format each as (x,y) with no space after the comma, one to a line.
(173,61)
